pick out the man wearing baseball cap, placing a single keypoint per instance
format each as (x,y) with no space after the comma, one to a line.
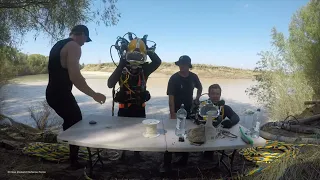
(64,72)
(181,85)
(180,91)
(81,34)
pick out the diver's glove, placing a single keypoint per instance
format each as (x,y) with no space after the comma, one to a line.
(123,62)
(151,49)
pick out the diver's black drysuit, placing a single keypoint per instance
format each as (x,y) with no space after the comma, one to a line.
(133,94)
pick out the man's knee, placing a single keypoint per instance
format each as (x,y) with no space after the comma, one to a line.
(72,119)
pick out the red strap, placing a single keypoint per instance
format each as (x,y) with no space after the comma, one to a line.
(128,105)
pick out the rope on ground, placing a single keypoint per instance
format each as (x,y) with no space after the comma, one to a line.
(52,151)
(60,152)
(272,151)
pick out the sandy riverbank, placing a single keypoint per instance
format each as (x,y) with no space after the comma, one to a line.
(108,73)
(202,70)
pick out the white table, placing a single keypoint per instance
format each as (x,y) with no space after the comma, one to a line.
(112,132)
(219,145)
(123,133)
(226,143)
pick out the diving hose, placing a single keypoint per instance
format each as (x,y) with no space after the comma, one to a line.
(121,46)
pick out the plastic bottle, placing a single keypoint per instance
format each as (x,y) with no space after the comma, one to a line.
(210,130)
(256,127)
(181,121)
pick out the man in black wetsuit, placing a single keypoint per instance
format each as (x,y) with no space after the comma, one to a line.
(214,92)
(180,91)
(64,72)
(132,79)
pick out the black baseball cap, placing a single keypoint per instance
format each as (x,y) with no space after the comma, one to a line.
(81,29)
(184,60)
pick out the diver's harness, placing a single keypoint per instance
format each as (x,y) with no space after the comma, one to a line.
(126,94)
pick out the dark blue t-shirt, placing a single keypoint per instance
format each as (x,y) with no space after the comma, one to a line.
(182,89)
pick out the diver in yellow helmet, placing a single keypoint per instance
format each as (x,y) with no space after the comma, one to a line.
(132,74)
(137,53)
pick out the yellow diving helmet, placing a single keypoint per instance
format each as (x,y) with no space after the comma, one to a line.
(136,53)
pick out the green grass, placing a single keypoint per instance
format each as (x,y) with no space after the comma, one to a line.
(201,70)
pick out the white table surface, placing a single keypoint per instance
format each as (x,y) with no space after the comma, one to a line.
(226,143)
(112,132)
(124,133)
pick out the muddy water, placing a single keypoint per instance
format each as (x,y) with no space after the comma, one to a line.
(28,91)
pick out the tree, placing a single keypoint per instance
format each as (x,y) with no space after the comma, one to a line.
(37,64)
(273,63)
(291,66)
(53,17)
(305,43)
(9,57)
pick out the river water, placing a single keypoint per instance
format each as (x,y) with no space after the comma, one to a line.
(28,91)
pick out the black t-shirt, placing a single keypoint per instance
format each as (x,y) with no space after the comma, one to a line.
(182,89)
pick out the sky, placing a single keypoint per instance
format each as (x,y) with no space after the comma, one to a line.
(217,32)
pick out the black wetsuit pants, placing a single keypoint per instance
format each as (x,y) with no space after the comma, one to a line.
(67,108)
(167,157)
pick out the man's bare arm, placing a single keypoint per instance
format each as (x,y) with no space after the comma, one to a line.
(73,58)
(171,106)
(199,92)
(199,87)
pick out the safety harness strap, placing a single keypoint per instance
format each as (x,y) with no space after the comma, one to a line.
(127,105)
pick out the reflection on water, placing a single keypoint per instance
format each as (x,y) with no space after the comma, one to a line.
(28,90)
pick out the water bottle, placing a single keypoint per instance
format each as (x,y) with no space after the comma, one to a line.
(181,121)
(256,124)
(210,130)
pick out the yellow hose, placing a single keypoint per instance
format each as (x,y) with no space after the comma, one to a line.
(265,154)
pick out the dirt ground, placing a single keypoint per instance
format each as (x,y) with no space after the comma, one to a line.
(198,168)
